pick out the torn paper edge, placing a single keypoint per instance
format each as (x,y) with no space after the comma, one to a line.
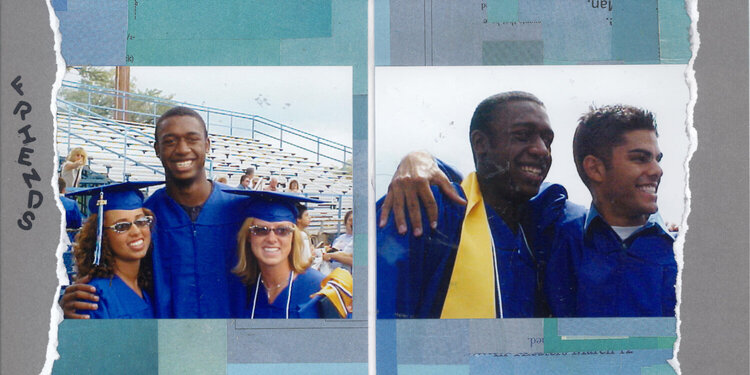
(692,10)
(56,314)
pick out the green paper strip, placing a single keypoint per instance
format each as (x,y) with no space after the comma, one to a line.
(499,11)
(193,346)
(553,343)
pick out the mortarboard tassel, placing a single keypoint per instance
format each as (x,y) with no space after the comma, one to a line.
(100,222)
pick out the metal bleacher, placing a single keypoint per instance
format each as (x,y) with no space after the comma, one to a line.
(123,150)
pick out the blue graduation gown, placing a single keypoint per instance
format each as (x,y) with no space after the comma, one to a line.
(193,260)
(414,272)
(593,273)
(73,217)
(300,305)
(118,301)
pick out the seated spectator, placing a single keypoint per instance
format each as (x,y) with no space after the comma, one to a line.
(294,187)
(303,221)
(340,255)
(245,182)
(250,176)
(273,183)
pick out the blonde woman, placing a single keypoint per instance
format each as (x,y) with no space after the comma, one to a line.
(73,167)
(271,262)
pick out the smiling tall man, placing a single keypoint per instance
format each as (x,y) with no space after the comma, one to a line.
(618,260)
(197,225)
(479,260)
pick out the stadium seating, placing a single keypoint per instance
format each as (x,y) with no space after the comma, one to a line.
(123,150)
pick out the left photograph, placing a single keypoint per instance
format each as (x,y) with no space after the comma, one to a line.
(206,192)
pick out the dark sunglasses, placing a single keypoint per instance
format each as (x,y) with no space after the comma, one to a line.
(264,231)
(124,226)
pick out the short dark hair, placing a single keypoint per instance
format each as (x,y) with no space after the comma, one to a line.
(61,185)
(602,128)
(301,208)
(483,114)
(178,111)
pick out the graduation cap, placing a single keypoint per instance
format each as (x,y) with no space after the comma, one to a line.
(118,196)
(272,206)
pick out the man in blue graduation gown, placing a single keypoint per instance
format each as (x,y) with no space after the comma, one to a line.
(196,228)
(195,243)
(478,260)
(618,260)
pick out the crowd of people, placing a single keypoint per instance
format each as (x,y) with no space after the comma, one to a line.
(196,248)
(249,181)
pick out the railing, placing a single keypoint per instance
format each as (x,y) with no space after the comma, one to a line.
(85,113)
(106,125)
(229,122)
(335,199)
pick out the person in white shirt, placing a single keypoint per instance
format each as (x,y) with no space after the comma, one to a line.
(342,254)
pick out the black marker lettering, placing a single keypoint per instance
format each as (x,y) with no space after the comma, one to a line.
(32,195)
(20,104)
(16,84)
(28,177)
(28,217)
(27,137)
(23,155)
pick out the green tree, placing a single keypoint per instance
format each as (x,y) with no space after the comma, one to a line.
(104,104)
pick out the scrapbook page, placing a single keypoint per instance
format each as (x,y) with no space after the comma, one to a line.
(502,107)
(280,91)
(300,71)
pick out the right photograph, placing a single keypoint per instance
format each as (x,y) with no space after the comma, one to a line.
(526,192)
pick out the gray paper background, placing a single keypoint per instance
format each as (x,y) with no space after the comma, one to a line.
(27,258)
(714,309)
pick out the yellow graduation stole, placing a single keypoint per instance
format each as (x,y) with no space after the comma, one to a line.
(338,288)
(471,292)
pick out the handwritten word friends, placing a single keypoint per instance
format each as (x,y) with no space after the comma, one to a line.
(34,197)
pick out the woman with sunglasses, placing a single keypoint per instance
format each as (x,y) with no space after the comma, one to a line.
(113,248)
(271,262)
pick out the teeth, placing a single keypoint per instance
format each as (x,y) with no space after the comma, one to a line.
(533,170)
(648,188)
(271,249)
(184,164)
(137,243)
